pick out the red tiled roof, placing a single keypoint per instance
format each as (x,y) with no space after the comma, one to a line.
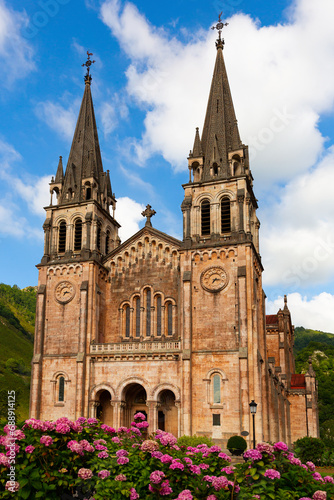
(271,319)
(297,381)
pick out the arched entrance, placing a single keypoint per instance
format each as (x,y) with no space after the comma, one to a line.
(104,410)
(167,412)
(134,397)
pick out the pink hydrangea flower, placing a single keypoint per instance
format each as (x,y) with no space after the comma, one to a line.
(116,440)
(265,448)
(120,477)
(108,429)
(280,446)
(142,425)
(176,465)
(215,449)
(121,453)
(133,494)
(12,486)
(272,474)
(139,415)
(311,466)
(185,495)
(157,476)
(224,457)
(86,445)
(195,469)
(317,476)
(204,466)
(104,454)
(103,474)
(228,470)
(211,497)
(75,447)
(156,454)
(4,460)
(92,421)
(296,461)
(329,479)
(165,459)
(165,488)
(220,483)
(85,473)
(63,428)
(252,454)
(320,495)
(149,445)
(46,440)
(166,438)
(30,448)
(122,429)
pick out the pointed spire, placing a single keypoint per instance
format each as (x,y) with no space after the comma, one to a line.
(109,190)
(60,172)
(84,161)
(197,149)
(220,129)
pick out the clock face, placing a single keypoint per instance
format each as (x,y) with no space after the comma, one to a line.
(214,279)
(64,292)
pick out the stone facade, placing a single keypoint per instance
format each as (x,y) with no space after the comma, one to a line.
(175,329)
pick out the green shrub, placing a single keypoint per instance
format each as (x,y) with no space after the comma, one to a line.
(309,449)
(236,445)
(194,441)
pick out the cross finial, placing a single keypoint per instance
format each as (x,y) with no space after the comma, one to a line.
(148,213)
(219,26)
(88,63)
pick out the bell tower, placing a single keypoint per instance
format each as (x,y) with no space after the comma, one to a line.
(221,272)
(79,232)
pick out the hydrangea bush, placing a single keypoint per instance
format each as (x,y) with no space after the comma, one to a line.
(57,459)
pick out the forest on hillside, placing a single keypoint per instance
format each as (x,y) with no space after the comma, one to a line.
(17,318)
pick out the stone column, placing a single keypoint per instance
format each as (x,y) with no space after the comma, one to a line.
(178,406)
(241,197)
(186,355)
(37,361)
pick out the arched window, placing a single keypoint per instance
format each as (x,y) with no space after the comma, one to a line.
(77,235)
(62,237)
(88,193)
(137,312)
(148,312)
(107,242)
(158,299)
(169,318)
(205,217)
(225,215)
(98,237)
(61,389)
(127,321)
(216,389)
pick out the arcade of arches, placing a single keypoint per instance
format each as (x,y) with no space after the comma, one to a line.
(161,413)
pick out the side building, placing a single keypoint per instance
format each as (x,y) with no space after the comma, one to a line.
(175,329)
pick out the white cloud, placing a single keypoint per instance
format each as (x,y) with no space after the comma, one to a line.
(289,75)
(297,231)
(111,112)
(12,224)
(316,313)
(128,214)
(61,119)
(16,53)
(35,192)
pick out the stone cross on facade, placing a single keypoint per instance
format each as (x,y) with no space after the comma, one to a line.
(148,213)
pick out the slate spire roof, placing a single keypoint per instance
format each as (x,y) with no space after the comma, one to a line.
(220,132)
(84,161)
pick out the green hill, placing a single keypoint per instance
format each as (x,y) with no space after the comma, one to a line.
(17,319)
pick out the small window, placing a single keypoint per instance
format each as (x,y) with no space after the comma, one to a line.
(215,169)
(137,302)
(205,217)
(216,389)
(170,318)
(225,215)
(77,235)
(216,419)
(148,312)
(98,237)
(127,321)
(88,193)
(159,316)
(61,389)
(107,242)
(62,237)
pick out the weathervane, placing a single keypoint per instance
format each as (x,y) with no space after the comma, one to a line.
(219,26)
(88,63)
(148,213)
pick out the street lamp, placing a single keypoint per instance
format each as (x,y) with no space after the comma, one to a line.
(253,407)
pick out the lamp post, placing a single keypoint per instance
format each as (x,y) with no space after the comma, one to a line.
(253,407)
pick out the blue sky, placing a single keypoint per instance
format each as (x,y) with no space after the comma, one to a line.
(151,81)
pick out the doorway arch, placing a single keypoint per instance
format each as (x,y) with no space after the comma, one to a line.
(167,412)
(104,408)
(134,400)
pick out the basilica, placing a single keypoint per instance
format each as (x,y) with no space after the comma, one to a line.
(173,328)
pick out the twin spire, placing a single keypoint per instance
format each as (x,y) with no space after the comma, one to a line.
(84,177)
(220,132)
